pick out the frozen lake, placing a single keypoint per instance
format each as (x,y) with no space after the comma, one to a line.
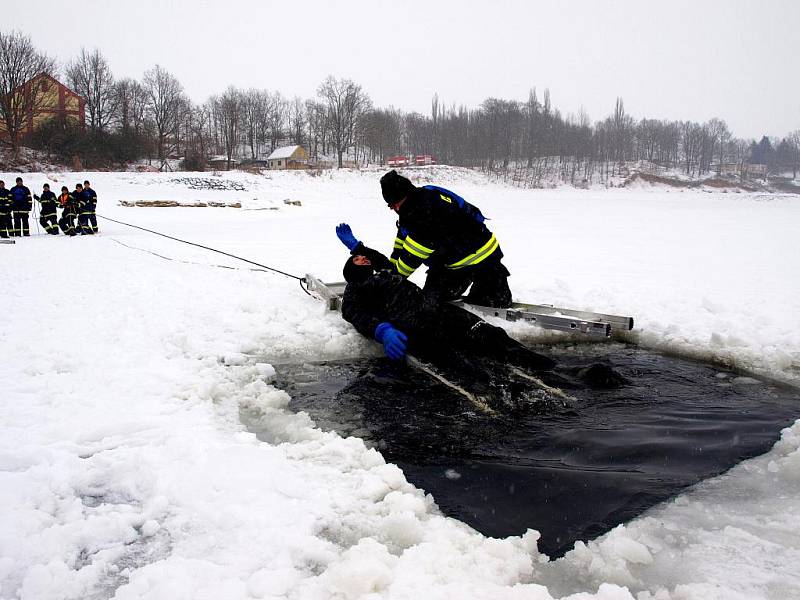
(126,472)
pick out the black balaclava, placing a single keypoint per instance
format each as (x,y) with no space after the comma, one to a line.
(354,273)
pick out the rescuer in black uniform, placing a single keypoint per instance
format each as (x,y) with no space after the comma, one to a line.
(439,228)
(22,203)
(85,208)
(6,226)
(90,207)
(383,305)
(76,196)
(48,216)
(68,204)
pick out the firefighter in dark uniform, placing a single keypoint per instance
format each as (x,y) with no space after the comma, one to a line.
(22,203)
(48,216)
(439,228)
(77,200)
(68,212)
(90,201)
(6,226)
(383,305)
(84,209)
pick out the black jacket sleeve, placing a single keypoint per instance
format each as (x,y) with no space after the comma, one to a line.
(358,310)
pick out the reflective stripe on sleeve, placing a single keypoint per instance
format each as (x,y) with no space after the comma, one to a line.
(403,268)
(416,248)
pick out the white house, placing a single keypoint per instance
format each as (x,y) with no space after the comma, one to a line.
(288,157)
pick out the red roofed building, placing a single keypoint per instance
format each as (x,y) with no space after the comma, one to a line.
(44,98)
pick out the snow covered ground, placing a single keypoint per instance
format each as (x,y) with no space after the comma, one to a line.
(126,358)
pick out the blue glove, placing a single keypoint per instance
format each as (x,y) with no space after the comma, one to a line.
(394,341)
(346,236)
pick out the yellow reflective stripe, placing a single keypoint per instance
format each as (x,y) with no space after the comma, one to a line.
(445,198)
(416,248)
(411,250)
(398,243)
(403,268)
(482,253)
(393,261)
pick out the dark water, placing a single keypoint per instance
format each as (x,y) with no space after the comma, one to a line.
(572,469)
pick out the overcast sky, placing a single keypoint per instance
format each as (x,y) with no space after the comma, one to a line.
(673,59)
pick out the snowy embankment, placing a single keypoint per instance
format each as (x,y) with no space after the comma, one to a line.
(125,472)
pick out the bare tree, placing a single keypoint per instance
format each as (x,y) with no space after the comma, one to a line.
(381,129)
(166,106)
(196,130)
(794,141)
(90,76)
(130,106)
(255,106)
(276,118)
(720,136)
(317,127)
(297,120)
(691,134)
(345,103)
(621,132)
(20,101)
(228,113)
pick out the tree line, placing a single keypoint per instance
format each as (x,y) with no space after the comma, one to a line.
(530,141)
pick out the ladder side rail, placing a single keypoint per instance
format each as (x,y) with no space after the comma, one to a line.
(560,323)
(618,320)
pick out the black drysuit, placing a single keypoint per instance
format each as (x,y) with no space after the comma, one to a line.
(444,335)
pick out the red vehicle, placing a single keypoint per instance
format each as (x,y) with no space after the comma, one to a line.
(397,161)
(424,159)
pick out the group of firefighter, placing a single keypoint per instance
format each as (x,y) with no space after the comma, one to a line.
(78,210)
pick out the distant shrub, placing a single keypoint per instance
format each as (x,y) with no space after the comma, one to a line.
(67,143)
(193,161)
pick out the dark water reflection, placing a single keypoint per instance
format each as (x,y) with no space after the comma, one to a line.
(572,470)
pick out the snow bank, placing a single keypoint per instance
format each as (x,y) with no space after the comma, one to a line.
(125,471)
